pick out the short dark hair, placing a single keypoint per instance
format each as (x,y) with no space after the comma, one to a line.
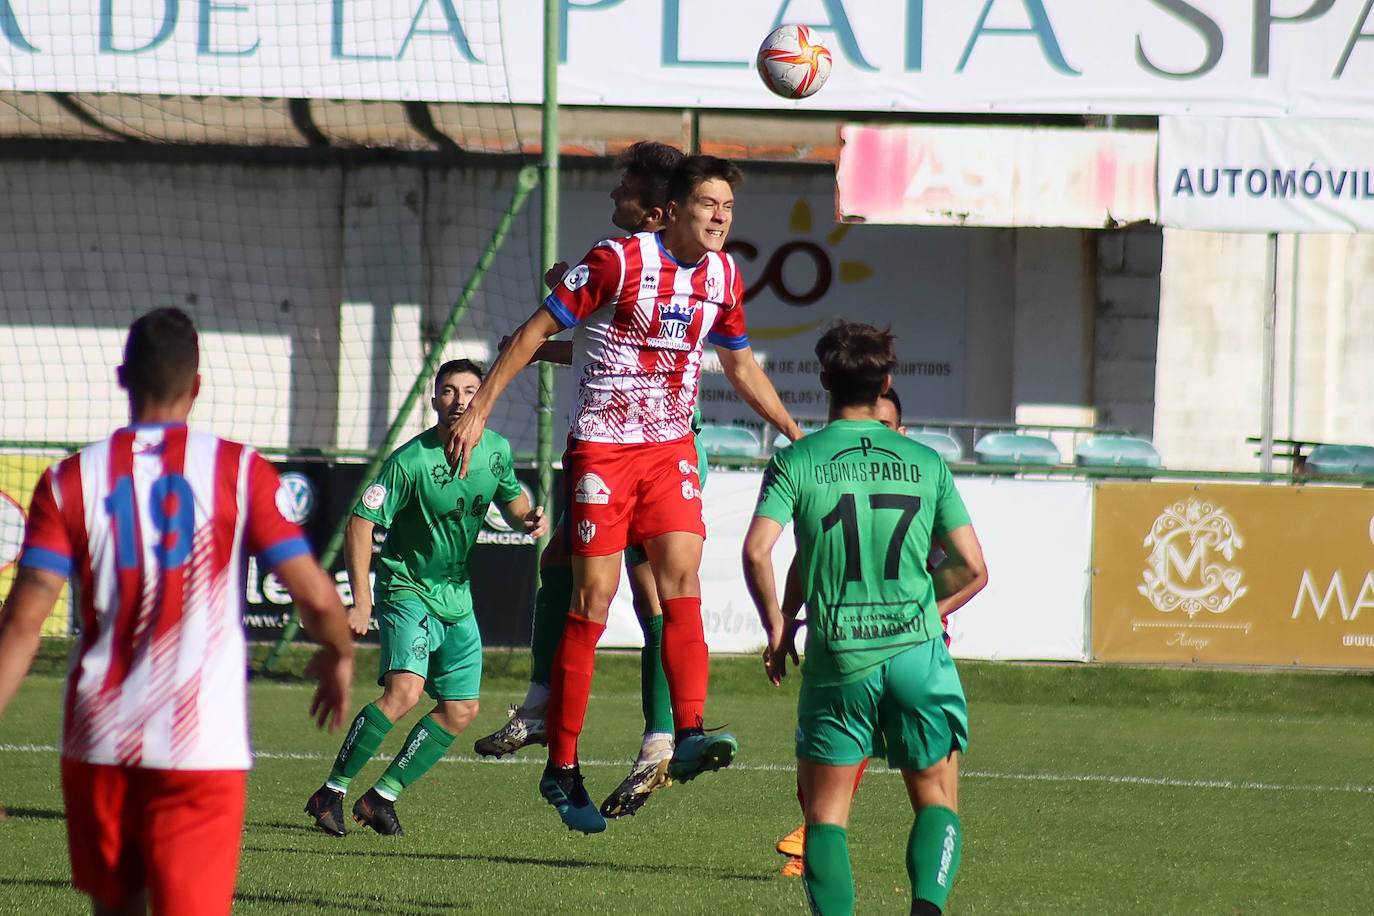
(459,367)
(161,355)
(652,163)
(856,358)
(693,170)
(891,395)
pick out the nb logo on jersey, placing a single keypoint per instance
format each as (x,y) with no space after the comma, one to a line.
(667,311)
(592,491)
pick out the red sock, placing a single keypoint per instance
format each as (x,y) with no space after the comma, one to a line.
(571,687)
(686,660)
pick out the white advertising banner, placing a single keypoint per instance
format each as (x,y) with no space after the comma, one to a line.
(1266,174)
(1036,535)
(995,176)
(1077,56)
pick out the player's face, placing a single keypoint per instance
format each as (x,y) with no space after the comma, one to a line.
(702,222)
(886,414)
(455,394)
(630,213)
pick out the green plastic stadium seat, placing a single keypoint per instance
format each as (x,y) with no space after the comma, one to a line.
(1016,448)
(1352,460)
(948,447)
(729,441)
(1111,451)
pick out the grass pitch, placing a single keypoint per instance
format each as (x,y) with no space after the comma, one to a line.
(1087,789)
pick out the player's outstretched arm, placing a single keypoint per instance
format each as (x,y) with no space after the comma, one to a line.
(753,384)
(323,617)
(524,342)
(550,351)
(358,562)
(759,541)
(964,573)
(31,600)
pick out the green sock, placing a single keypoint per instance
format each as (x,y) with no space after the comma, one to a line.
(932,853)
(551,605)
(365,735)
(826,874)
(424,746)
(653,684)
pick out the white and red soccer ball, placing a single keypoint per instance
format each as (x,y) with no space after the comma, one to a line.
(792,62)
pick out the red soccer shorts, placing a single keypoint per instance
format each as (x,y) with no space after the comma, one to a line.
(626,494)
(176,832)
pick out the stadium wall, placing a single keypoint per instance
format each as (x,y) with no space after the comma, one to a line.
(317,288)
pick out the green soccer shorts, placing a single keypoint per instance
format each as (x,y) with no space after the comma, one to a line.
(447,655)
(910,709)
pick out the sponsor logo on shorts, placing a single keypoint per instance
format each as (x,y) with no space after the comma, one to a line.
(591,490)
(686,467)
(577,277)
(689,491)
(586,531)
(374,496)
(419,648)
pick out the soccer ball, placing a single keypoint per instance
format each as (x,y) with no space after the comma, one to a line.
(792,63)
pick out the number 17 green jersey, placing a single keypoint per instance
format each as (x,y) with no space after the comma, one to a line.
(864,502)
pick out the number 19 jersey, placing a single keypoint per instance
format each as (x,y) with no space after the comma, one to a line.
(153,527)
(864,501)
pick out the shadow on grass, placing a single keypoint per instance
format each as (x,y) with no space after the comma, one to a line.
(343,903)
(36,882)
(372,853)
(37,814)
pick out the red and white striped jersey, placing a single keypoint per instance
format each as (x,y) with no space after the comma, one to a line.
(641,319)
(153,527)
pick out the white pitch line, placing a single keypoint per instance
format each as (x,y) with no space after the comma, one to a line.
(1168,782)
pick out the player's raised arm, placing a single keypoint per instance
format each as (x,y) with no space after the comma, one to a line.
(748,378)
(467,431)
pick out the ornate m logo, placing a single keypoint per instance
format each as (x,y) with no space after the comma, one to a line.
(1191,544)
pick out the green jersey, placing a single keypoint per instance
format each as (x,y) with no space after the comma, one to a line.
(864,501)
(434,517)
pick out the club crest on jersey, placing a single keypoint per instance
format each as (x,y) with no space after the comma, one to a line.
(591,490)
(673,323)
(713,290)
(441,474)
(586,531)
(374,496)
(577,277)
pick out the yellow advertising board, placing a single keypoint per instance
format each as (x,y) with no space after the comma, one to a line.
(1233,573)
(18,475)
